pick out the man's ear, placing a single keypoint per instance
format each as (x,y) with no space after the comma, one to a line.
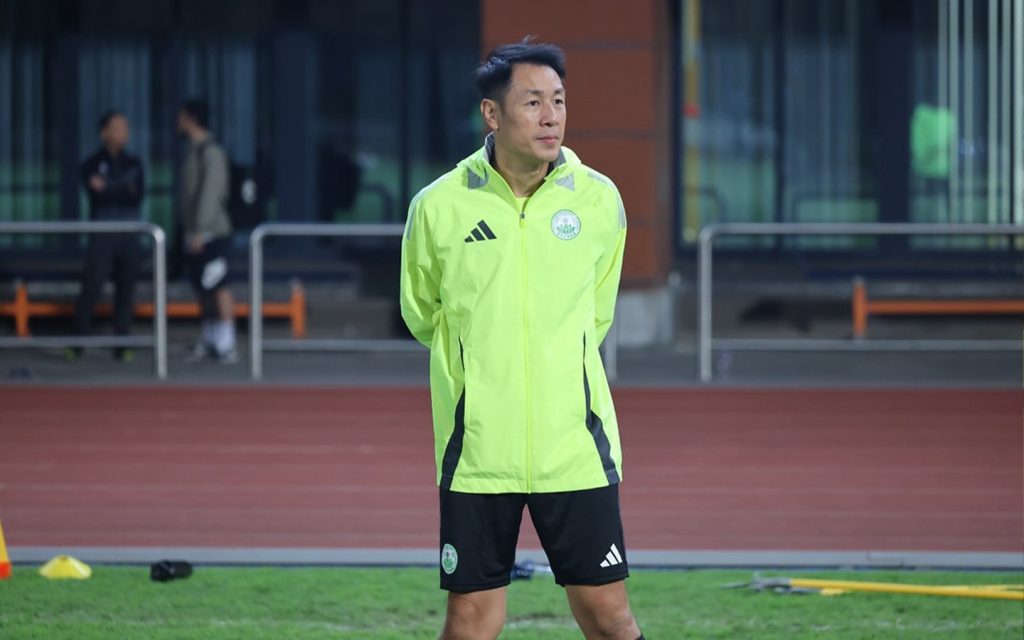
(489,109)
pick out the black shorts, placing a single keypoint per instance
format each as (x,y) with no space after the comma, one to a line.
(581,532)
(209,270)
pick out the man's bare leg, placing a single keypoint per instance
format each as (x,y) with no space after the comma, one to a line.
(224,333)
(602,611)
(225,305)
(479,615)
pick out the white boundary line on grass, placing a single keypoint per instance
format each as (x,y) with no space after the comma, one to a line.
(429,557)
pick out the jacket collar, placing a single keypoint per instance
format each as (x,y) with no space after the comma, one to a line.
(480,171)
(489,151)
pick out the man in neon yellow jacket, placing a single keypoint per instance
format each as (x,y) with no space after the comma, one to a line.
(510,270)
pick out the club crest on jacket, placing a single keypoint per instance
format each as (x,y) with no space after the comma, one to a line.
(565,224)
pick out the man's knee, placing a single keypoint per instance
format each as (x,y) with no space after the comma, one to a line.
(616,624)
(473,617)
(603,612)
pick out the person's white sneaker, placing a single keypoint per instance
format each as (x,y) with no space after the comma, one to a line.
(226,357)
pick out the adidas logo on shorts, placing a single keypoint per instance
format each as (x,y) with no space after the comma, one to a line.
(613,558)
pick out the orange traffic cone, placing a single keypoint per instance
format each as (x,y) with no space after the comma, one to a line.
(5,562)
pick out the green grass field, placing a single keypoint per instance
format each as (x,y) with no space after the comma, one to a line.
(311,603)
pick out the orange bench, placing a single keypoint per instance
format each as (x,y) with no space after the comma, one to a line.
(863,307)
(22,310)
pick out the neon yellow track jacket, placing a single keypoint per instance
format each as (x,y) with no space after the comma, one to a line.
(513,305)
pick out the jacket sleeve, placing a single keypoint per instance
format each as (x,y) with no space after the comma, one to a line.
(128,189)
(213,189)
(85,171)
(421,277)
(609,270)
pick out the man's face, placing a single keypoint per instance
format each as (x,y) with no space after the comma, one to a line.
(529,121)
(115,134)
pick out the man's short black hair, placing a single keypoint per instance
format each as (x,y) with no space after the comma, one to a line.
(107,116)
(198,110)
(494,74)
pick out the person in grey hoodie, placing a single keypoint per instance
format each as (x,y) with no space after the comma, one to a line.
(203,197)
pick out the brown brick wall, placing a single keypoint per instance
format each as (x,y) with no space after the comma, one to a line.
(618,95)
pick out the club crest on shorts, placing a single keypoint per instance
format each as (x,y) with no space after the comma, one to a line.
(449,559)
(565,224)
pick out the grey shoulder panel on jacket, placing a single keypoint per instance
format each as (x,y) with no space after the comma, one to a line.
(605,180)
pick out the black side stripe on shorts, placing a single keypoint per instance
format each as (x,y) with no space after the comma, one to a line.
(596,428)
(453,450)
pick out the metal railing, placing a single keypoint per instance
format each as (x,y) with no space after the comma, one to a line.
(159,338)
(256,342)
(706,343)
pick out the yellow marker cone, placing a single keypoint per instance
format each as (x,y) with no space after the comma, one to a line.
(65,567)
(998,592)
(5,562)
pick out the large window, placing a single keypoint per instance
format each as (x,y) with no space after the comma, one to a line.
(851,111)
(29,163)
(343,109)
(966,128)
(393,104)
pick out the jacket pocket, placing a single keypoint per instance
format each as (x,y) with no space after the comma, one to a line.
(453,450)
(595,426)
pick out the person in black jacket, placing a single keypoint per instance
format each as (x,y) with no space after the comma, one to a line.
(114,182)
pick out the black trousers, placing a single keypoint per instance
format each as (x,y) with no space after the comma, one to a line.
(109,256)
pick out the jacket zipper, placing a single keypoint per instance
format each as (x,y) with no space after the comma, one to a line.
(526,351)
(526,338)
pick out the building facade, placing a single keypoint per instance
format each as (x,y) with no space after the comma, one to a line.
(732,110)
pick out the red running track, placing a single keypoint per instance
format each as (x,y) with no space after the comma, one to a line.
(712,469)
